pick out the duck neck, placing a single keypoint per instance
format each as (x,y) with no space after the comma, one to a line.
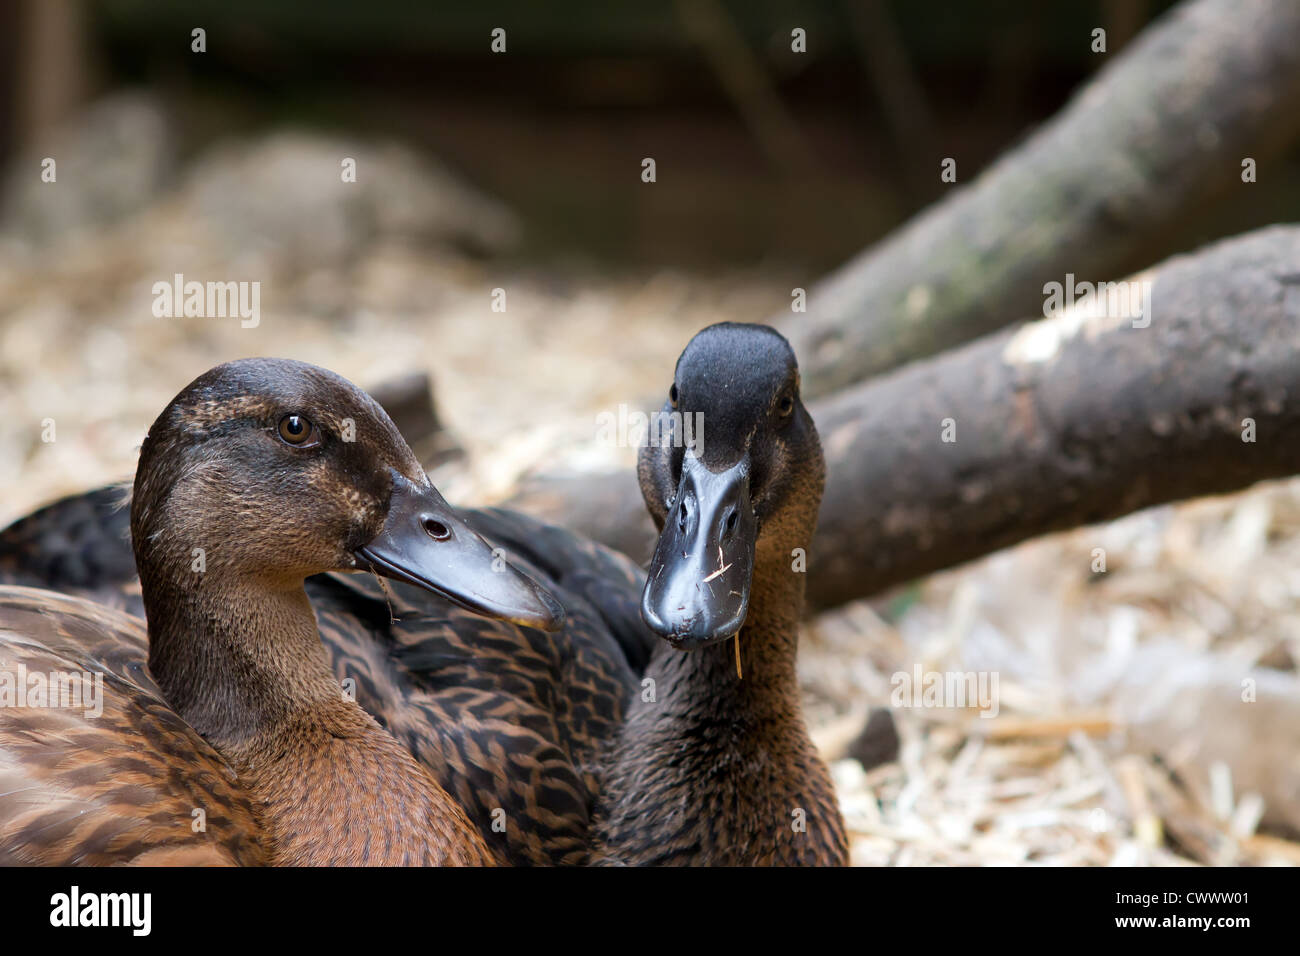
(761,680)
(242,663)
(730,751)
(236,658)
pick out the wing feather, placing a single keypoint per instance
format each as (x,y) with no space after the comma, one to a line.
(117,781)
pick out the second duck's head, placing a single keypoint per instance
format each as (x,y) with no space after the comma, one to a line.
(270,470)
(745,495)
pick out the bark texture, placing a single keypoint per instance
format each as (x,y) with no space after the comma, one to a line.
(1161,130)
(1058,423)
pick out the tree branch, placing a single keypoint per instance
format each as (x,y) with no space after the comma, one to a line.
(1059,423)
(1161,129)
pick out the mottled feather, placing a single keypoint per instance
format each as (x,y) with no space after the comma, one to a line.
(512,721)
(121,786)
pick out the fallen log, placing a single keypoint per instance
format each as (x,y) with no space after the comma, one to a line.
(1160,130)
(1062,422)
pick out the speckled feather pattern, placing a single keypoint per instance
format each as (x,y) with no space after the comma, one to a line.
(120,787)
(511,721)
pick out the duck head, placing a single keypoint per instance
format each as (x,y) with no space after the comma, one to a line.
(278,470)
(733,478)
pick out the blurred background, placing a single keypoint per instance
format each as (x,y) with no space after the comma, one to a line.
(771,157)
(521,171)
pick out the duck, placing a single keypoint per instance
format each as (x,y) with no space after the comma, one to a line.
(512,720)
(714,763)
(216,733)
(560,744)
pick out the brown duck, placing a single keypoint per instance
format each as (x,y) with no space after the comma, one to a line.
(511,720)
(524,727)
(236,745)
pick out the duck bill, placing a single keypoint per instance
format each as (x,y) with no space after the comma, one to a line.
(699,578)
(425,543)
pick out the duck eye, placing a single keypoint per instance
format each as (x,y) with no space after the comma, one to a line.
(786,405)
(672,394)
(296,430)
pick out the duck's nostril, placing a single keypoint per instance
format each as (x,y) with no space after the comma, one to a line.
(436,529)
(681,516)
(732,520)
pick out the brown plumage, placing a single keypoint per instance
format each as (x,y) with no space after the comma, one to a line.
(511,720)
(258,474)
(525,727)
(120,786)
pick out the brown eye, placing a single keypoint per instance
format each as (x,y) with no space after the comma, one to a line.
(672,395)
(786,405)
(298,431)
